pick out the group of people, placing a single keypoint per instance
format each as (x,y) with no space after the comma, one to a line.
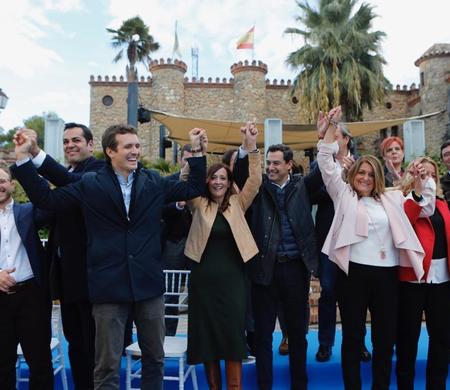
(251,244)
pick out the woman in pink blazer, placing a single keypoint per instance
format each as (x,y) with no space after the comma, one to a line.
(369,239)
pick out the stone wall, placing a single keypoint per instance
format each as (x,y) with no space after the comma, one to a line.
(433,97)
(249,95)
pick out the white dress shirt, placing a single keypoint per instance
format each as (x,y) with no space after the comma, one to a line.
(12,252)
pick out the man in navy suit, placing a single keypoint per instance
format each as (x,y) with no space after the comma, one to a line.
(25,304)
(67,249)
(122,206)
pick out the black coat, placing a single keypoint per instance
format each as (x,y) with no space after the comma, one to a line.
(265,222)
(67,239)
(123,252)
(445,184)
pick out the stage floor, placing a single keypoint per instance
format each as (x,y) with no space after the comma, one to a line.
(322,376)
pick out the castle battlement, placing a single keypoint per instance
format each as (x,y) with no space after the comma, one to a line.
(167,64)
(217,82)
(115,81)
(246,65)
(405,88)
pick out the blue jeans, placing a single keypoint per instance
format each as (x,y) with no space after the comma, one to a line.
(327,301)
(290,286)
(110,320)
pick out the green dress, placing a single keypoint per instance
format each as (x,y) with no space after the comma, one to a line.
(217,299)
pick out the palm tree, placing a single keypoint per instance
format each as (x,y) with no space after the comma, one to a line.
(341,61)
(133,35)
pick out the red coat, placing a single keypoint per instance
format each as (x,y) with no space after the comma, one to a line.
(425,233)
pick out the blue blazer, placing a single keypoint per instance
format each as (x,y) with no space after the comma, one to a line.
(123,251)
(28,221)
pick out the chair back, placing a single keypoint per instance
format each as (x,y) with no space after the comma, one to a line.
(176,293)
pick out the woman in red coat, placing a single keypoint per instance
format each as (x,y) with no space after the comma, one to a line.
(431,296)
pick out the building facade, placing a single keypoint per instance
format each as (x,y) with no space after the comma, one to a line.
(248,95)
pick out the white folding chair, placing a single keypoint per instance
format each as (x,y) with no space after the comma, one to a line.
(56,346)
(175,347)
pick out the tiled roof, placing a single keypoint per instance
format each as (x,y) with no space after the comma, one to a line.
(437,50)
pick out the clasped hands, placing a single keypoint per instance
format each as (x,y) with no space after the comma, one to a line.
(25,141)
(199,140)
(326,118)
(249,133)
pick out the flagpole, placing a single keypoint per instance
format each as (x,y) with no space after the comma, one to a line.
(253,46)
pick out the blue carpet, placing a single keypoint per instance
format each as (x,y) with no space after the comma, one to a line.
(322,376)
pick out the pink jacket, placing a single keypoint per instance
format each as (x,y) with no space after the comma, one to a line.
(350,224)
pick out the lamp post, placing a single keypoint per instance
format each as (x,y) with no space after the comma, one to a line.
(133,92)
(3,100)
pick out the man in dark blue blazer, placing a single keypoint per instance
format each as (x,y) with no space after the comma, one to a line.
(25,304)
(67,249)
(122,206)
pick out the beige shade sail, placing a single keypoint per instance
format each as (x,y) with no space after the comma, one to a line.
(223,135)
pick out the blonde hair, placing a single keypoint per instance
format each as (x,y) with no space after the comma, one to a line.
(407,183)
(378,180)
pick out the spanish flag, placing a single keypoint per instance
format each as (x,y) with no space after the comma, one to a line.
(246,41)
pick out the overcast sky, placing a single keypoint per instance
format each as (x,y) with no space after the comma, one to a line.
(49,48)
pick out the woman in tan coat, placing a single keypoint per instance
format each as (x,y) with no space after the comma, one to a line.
(219,243)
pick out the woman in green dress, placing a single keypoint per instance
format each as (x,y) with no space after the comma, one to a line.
(219,243)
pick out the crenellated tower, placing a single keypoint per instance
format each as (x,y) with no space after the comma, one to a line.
(249,90)
(434,67)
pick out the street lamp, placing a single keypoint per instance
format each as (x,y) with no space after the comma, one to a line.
(3,100)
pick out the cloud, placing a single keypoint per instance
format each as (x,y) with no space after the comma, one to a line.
(215,26)
(64,5)
(24,24)
(69,104)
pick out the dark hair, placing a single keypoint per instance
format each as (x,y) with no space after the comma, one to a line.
(109,137)
(346,133)
(297,169)
(87,133)
(211,171)
(288,155)
(444,145)
(186,148)
(228,155)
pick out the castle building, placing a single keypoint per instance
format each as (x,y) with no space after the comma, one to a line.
(248,95)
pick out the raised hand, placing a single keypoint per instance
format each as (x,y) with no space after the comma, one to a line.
(346,162)
(322,124)
(335,114)
(249,134)
(195,136)
(250,137)
(204,142)
(421,176)
(32,135)
(22,144)
(390,167)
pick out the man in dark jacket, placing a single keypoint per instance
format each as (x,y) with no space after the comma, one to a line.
(283,229)
(67,250)
(177,219)
(121,205)
(24,298)
(445,179)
